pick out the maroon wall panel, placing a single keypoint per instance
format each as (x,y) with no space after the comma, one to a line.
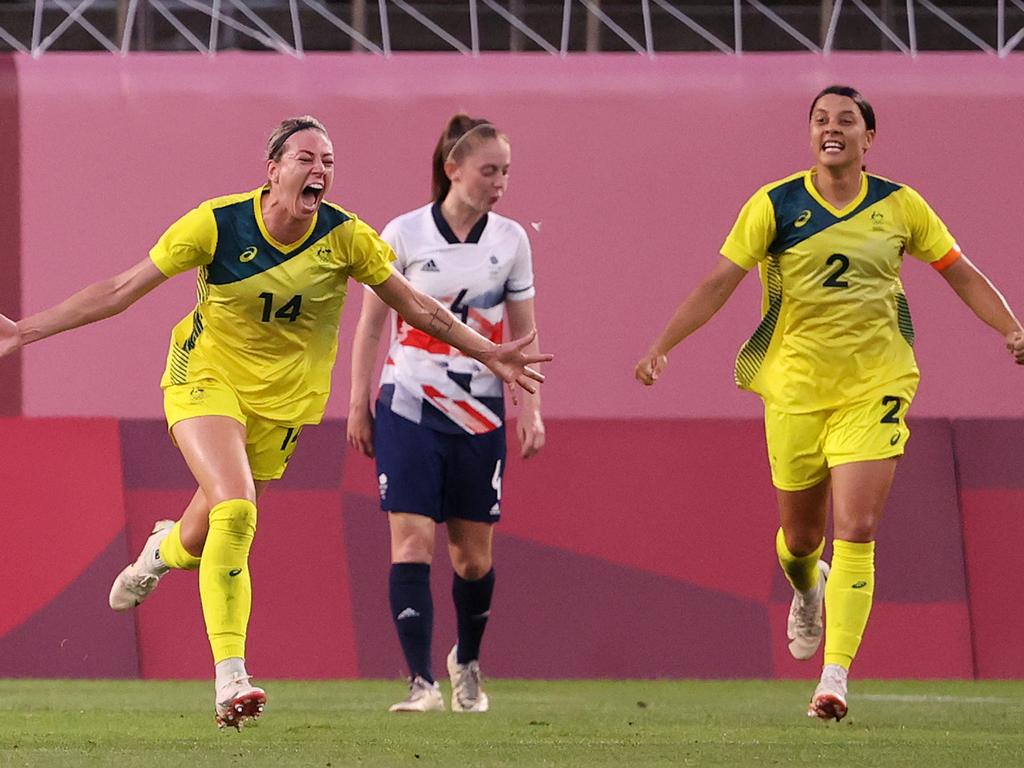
(992,498)
(10,225)
(627,549)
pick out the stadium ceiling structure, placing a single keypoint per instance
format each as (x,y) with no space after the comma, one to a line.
(474,27)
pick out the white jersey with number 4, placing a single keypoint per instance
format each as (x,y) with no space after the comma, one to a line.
(425,380)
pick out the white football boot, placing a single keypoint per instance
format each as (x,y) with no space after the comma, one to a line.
(423,697)
(804,628)
(467,695)
(829,699)
(238,701)
(137,581)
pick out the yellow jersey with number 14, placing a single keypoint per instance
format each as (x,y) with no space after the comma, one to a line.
(835,321)
(267,313)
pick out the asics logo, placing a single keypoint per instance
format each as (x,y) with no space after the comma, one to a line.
(248,254)
(234,571)
(802,219)
(858,585)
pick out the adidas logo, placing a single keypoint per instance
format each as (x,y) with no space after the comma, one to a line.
(430,266)
(408,613)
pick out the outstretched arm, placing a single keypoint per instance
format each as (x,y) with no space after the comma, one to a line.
(700,306)
(359,428)
(96,302)
(508,361)
(987,303)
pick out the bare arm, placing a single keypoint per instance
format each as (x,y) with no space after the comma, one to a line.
(522,319)
(975,290)
(95,302)
(508,361)
(359,427)
(700,306)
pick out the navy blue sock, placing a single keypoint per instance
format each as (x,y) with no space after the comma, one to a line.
(472,606)
(412,609)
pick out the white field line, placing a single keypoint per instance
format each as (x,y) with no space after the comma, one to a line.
(924,699)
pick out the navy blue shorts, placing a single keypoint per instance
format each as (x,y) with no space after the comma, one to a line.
(440,475)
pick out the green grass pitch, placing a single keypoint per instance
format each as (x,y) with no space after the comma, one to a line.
(330,724)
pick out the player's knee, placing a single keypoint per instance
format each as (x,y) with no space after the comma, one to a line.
(412,550)
(470,566)
(234,514)
(230,490)
(802,543)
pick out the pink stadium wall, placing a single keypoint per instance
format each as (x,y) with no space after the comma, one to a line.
(633,171)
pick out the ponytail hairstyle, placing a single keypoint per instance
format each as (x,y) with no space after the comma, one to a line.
(460,137)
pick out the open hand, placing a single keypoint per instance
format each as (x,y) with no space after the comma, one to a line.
(510,364)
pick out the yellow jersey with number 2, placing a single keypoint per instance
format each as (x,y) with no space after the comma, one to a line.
(835,322)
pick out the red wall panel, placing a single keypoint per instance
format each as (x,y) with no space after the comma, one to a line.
(620,534)
(62,518)
(993,535)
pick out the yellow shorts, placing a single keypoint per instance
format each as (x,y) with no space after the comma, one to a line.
(269,445)
(802,447)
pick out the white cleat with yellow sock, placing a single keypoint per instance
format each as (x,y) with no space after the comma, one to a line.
(138,580)
(805,628)
(238,701)
(829,700)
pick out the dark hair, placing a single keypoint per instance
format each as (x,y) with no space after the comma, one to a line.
(287,129)
(459,138)
(866,110)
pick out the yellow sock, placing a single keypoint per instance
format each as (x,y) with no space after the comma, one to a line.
(174,554)
(224,585)
(802,572)
(848,594)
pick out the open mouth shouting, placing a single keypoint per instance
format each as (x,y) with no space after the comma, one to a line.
(311,196)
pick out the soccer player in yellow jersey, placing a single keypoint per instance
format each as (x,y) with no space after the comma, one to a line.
(251,365)
(833,362)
